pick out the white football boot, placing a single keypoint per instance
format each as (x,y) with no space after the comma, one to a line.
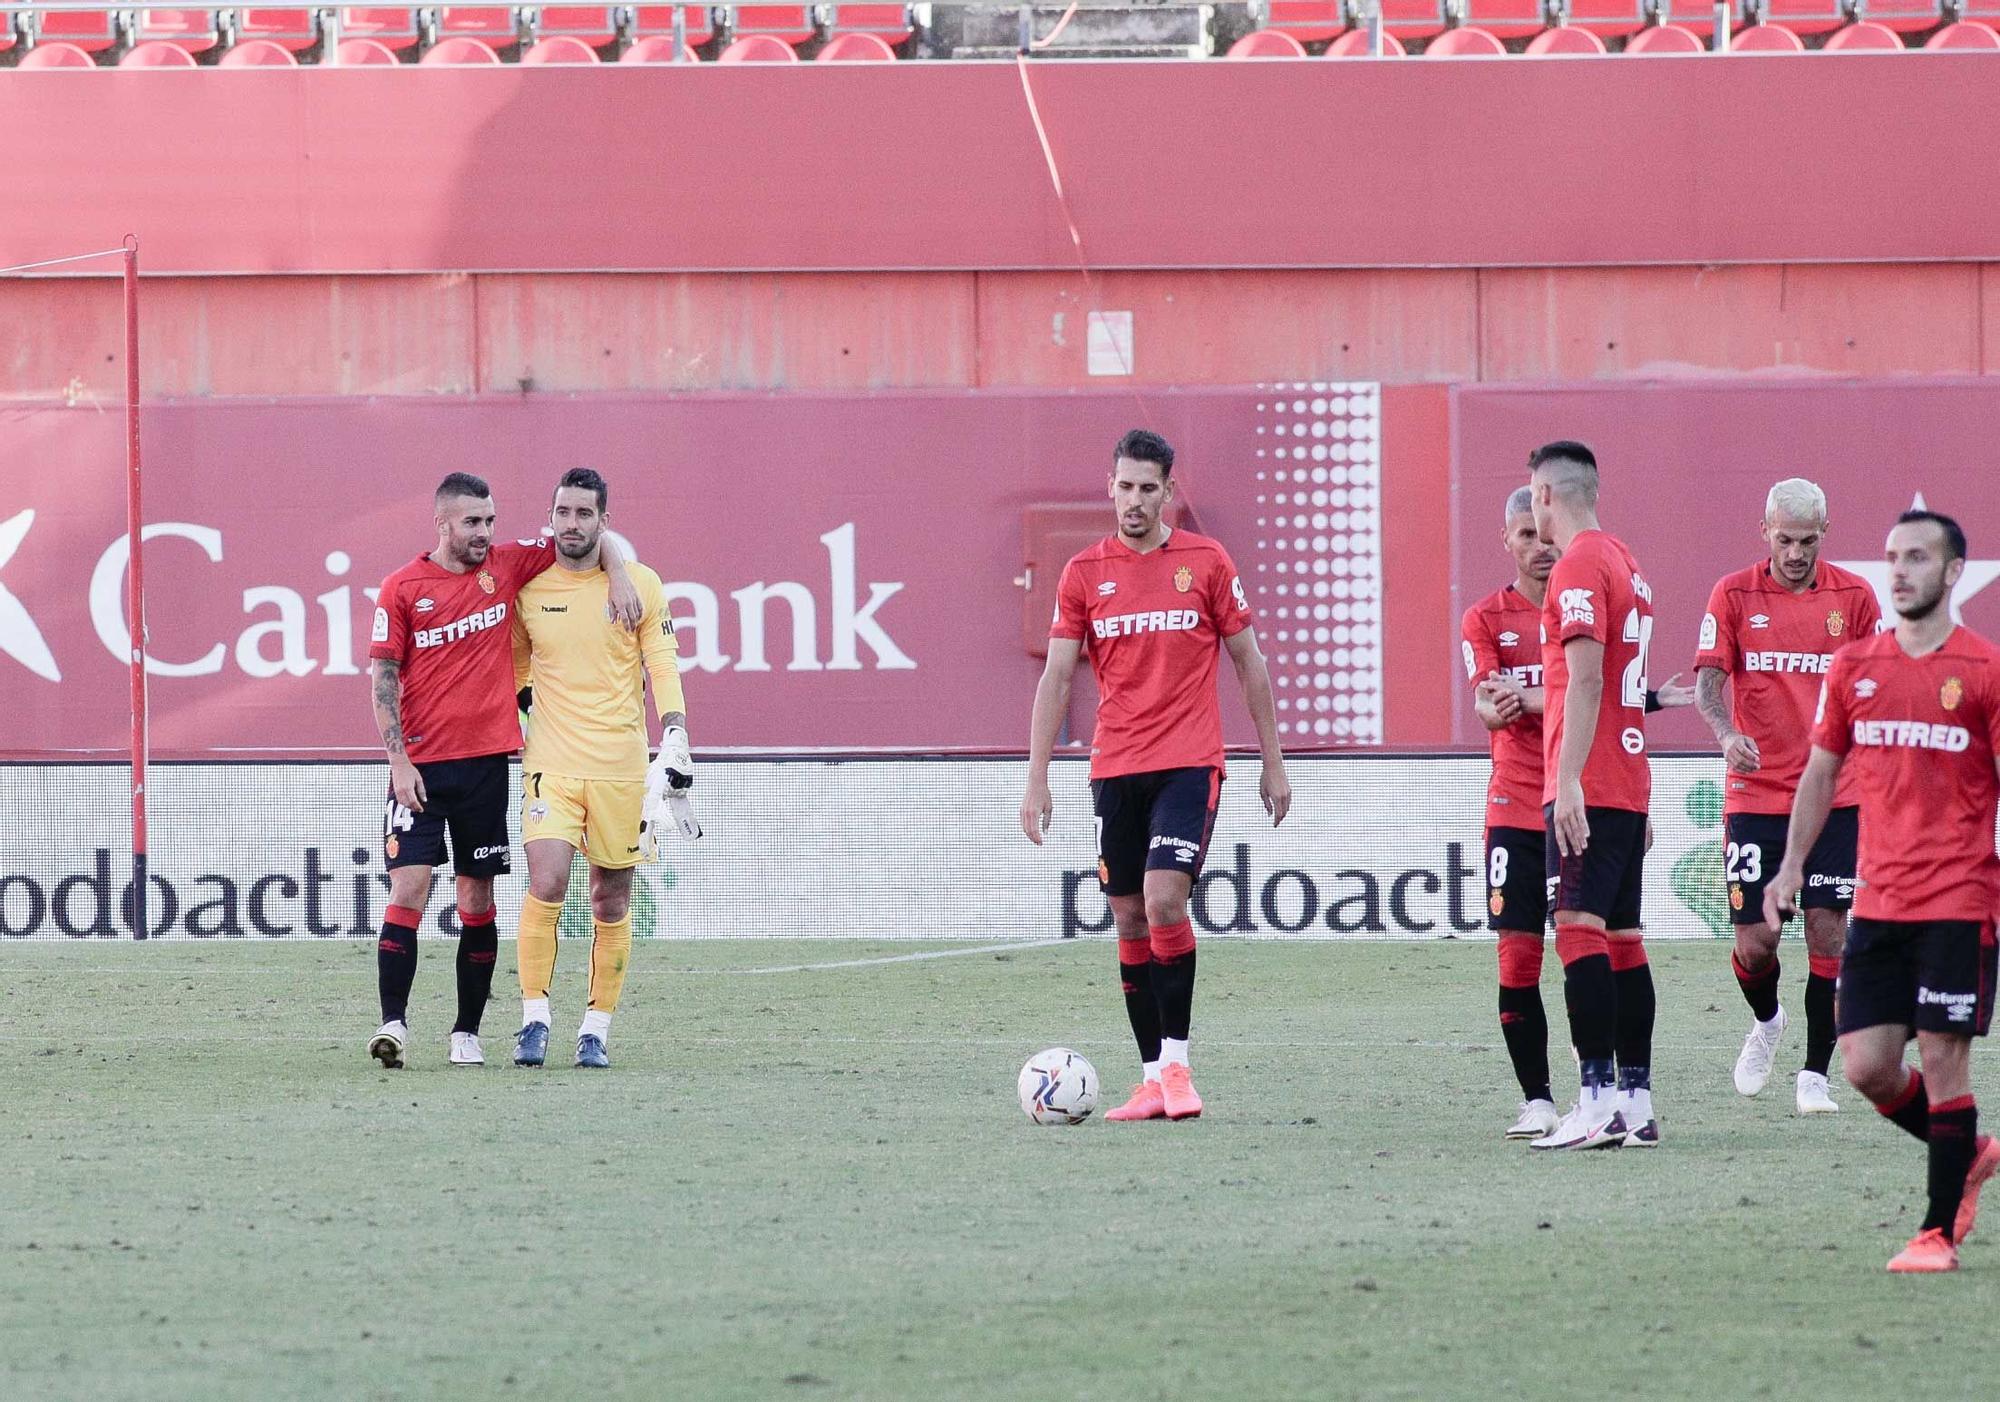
(1760,1049)
(1813,1097)
(465,1049)
(1538,1118)
(1586,1127)
(386,1046)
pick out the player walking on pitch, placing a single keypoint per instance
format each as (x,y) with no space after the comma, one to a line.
(445,709)
(585,785)
(1500,637)
(1914,713)
(1150,604)
(1771,632)
(1597,622)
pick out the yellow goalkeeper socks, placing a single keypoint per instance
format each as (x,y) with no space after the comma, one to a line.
(610,952)
(535,949)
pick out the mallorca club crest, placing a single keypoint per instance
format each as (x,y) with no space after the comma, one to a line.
(1183,579)
(1951,693)
(1497,903)
(1735,897)
(391,846)
(486,580)
(1836,624)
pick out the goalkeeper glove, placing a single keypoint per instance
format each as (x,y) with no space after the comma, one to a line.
(667,782)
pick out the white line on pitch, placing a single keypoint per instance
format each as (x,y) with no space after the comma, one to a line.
(888,958)
(70,1037)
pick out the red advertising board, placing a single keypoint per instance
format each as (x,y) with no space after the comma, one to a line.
(843,569)
(1685,468)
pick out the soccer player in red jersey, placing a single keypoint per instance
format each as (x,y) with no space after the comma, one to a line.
(1597,623)
(1770,633)
(443,671)
(1914,713)
(1150,605)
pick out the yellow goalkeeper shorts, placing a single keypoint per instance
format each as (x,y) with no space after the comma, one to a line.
(598,817)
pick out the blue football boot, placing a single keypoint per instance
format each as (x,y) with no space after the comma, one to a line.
(590,1052)
(531,1044)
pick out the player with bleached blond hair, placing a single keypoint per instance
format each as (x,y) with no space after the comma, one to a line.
(1770,633)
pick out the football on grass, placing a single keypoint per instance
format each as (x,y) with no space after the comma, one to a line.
(1058,1087)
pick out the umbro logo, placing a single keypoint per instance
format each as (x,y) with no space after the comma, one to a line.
(1509,639)
(1110,586)
(1760,620)
(424,605)
(1865,688)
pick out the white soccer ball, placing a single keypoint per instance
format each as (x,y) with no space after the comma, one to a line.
(1058,1087)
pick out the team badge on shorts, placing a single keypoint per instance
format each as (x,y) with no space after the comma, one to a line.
(1183,579)
(1497,903)
(1103,872)
(390,845)
(1836,624)
(1735,897)
(486,581)
(537,811)
(1951,693)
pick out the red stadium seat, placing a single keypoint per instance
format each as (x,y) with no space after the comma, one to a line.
(294,29)
(365,53)
(157,56)
(759,48)
(1504,19)
(1799,16)
(89,30)
(1964,35)
(1307,20)
(1354,44)
(1903,16)
(856,48)
(1412,19)
(1566,40)
(560,48)
(1267,43)
(395,29)
(698,22)
(791,23)
(459,51)
(1665,39)
(193,30)
(1863,37)
(596,28)
(1465,43)
(1766,39)
(494,26)
(56,56)
(656,48)
(1605,18)
(892,22)
(259,53)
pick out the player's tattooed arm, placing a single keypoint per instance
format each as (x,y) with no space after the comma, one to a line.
(1737,748)
(403,776)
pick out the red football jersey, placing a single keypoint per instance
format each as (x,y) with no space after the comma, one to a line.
(451,634)
(1596,591)
(1503,633)
(1776,646)
(1921,735)
(1150,625)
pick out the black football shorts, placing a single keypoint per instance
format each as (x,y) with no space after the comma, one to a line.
(468,799)
(1516,896)
(1926,975)
(1606,877)
(1161,819)
(1754,845)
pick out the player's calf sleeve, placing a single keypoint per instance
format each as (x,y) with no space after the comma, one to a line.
(1910,1111)
(478,948)
(1590,994)
(1173,977)
(1760,989)
(535,948)
(610,952)
(1954,1130)
(396,960)
(1524,1023)
(1633,974)
(1142,1005)
(1820,1033)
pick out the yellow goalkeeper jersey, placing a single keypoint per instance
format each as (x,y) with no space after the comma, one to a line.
(588,720)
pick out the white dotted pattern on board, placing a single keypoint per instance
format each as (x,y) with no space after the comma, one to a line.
(1318,583)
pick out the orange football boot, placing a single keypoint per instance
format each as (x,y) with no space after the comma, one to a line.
(1177,1091)
(1985,1159)
(1928,1251)
(1145,1104)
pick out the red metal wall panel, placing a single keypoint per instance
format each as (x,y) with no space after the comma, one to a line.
(926,165)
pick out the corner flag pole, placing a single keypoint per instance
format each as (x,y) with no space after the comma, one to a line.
(135,590)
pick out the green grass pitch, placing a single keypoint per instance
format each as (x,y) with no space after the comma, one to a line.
(817,1184)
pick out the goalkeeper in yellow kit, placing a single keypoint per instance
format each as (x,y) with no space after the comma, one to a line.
(586,786)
